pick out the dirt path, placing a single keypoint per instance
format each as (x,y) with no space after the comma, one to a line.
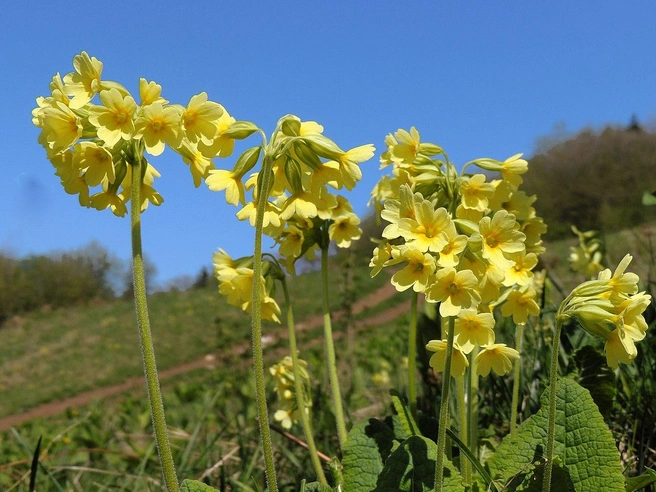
(210,361)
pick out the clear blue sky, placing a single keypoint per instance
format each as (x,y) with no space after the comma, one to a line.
(478,78)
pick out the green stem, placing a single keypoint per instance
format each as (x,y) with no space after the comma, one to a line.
(300,390)
(412,356)
(258,358)
(519,335)
(551,429)
(330,351)
(444,409)
(465,465)
(145,336)
(472,403)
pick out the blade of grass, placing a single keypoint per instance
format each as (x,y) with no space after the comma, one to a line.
(26,446)
(470,456)
(35,465)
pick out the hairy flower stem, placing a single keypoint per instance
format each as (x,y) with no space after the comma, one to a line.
(444,409)
(145,336)
(551,429)
(519,335)
(256,328)
(412,356)
(472,403)
(300,390)
(465,465)
(330,351)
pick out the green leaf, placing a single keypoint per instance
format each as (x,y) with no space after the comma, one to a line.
(584,443)
(315,487)
(641,481)
(649,198)
(597,377)
(411,468)
(407,422)
(195,486)
(367,447)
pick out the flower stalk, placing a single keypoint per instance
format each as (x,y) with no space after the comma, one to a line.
(519,335)
(330,350)
(412,356)
(258,357)
(145,336)
(300,390)
(444,409)
(551,428)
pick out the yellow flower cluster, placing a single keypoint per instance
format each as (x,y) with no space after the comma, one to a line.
(93,145)
(236,283)
(610,307)
(463,240)
(283,375)
(300,209)
(588,255)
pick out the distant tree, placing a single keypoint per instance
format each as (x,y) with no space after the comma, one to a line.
(594,180)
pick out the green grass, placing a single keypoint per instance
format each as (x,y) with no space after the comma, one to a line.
(46,356)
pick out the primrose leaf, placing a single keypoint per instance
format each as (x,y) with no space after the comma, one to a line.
(411,468)
(195,486)
(584,444)
(367,447)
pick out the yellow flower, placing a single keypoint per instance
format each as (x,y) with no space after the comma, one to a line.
(220,179)
(114,119)
(348,164)
(222,145)
(150,92)
(497,357)
(158,125)
(271,214)
(291,241)
(303,205)
(473,328)
(344,230)
(95,161)
(497,235)
(520,273)
(107,198)
(520,205)
(84,83)
(520,304)
(199,165)
(200,119)
(429,230)
(459,362)
(454,290)
(512,168)
(416,273)
(533,229)
(61,128)
(475,192)
(406,150)
(403,208)
(620,283)
(449,253)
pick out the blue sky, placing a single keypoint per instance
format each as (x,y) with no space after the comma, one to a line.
(478,78)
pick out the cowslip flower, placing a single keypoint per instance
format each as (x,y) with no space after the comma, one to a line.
(497,235)
(84,83)
(158,125)
(459,362)
(344,230)
(497,357)
(417,273)
(475,192)
(472,328)
(520,303)
(114,120)
(95,161)
(454,290)
(61,128)
(429,230)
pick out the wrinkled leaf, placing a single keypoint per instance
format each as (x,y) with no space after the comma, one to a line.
(584,444)
(597,377)
(195,486)
(315,487)
(367,447)
(411,468)
(641,481)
